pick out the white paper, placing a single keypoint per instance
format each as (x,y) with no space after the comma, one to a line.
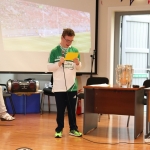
(101,85)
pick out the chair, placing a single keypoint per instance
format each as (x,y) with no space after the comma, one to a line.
(146,84)
(94,80)
(48,92)
(5,95)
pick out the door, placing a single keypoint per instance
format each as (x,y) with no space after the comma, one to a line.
(135,45)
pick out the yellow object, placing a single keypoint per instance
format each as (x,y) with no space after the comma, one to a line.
(71,56)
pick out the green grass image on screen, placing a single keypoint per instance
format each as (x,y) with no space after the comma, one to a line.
(82,42)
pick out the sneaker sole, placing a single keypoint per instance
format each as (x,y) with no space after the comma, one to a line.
(2,119)
(75,135)
(58,136)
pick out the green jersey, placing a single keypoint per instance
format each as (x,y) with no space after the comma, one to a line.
(64,77)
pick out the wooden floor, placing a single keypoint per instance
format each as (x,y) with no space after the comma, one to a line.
(36,131)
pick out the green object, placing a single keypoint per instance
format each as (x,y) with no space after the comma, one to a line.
(75,133)
(140,75)
(58,134)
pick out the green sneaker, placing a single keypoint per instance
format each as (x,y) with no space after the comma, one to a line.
(75,133)
(58,134)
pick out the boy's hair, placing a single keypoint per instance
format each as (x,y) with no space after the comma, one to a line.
(68,32)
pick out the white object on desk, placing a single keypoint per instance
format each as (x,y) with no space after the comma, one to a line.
(100,85)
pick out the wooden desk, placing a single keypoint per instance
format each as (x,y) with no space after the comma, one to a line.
(25,94)
(148,113)
(113,100)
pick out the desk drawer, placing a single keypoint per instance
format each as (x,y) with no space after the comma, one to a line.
(114,102)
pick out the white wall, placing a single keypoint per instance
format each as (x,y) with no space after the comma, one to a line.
(106,31)
(5,77)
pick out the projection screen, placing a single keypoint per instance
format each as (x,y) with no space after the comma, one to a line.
(30,29)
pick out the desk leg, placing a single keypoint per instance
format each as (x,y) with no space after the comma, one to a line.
(147,134)
(148,129)
(148,115)
(139,113)
(90,120)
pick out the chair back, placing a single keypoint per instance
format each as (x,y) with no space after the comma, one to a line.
(48,91)
(97,80)
(52,79)
(146,84)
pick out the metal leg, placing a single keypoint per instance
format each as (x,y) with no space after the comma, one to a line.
(42,103)
(146,121)
(12,105)
(149,128)
(100,116)
(128,121)
(147,134)
(49,103)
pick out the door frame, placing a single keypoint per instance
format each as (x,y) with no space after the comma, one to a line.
(117,36)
